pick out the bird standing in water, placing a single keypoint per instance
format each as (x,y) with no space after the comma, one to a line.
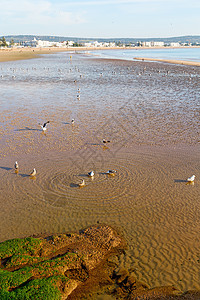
(44,126)
(105,141)
(191,179)
(33,173)
(82,183)
(91,174)
(16,165)
(111,172)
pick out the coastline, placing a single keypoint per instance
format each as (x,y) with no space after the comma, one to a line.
(171,61)
(29,53)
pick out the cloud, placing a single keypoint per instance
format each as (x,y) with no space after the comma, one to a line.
(116,2)
(67,18)
(24,6)
(42,12)
(191,3)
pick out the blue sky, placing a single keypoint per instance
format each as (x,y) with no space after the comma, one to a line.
(101,19)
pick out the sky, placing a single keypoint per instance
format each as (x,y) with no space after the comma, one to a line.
(101,18)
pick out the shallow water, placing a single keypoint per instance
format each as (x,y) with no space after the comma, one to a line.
(150,112)
(187,53)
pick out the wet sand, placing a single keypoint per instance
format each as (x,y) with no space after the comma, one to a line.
(27,53)
(171,61)
(149,111)
(12,54)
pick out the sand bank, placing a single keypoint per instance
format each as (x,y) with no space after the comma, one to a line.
(171,61)
(25,53)
(28,53)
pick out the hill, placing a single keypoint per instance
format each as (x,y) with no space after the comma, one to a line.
(181,39)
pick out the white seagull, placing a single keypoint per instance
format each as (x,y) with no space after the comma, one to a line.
(105,141)
(44,126)
(190,179)
(82,183)
(16,165)
(91,174)
(72,121)
(111,172)
(33,173)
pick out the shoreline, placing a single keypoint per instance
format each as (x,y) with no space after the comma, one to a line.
(171,61)
(29,53)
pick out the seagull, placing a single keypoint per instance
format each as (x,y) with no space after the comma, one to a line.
(44,126)
(91,174)
(111,172)
(33,173)
(72,121)
(190,179)
(16,165)
(105,141)
(82,183)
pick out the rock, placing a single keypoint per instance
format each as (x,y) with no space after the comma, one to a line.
(121,274)
(131,280)
(58,263)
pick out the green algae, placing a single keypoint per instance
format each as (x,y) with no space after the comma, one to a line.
(20,246)
(10,280)
(31,276)
(45,289)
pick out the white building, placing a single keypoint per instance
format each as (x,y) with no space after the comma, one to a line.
(174,44)
(158,44)
(93,44)
(153,44)
(146,44)
(42,44)
(70,43)
(32,43)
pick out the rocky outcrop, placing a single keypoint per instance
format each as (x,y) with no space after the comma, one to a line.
(57,263)
(74,266)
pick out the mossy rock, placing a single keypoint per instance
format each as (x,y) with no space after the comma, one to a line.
(53,267)
(28,246)
(45,289)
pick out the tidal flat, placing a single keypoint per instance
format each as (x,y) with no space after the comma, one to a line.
(150,113)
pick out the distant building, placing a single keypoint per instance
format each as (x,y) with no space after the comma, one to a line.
(42,44)
(70,43)
(153,44)
(146,44)
(88,45)
(32,43)
(175,44)
(157,44)
(96,44)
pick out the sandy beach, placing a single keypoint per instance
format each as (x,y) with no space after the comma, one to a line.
(28,53)
(148,111)
(25,53)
